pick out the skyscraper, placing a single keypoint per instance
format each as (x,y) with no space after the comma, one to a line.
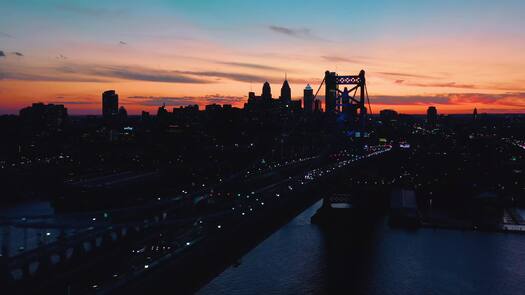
(266,92)
(109,104)
(308,99)
(286,93)
(432,116)
(122,114)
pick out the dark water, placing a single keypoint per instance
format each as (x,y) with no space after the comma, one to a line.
(301,258)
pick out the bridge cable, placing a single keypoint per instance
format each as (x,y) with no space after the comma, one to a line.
(368,99)
(320,85)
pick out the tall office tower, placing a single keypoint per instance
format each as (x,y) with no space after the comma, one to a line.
(432,116)
(286,93)
(266,92)
(122,114)
(308,99)
(109,104)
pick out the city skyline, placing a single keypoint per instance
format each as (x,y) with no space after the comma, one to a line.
(455,56)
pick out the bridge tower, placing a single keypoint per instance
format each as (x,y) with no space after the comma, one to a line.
(348,103)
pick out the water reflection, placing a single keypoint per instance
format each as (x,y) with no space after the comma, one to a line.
(301,258)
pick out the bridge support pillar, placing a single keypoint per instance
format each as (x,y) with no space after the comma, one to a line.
(5,275)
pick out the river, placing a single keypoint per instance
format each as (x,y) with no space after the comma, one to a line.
(302,258)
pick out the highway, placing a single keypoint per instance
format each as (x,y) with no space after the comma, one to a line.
(233,200)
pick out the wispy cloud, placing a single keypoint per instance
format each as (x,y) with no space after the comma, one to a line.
(5,35)
(334,58)
(300,33)
(516,99)
(510,99)
(184,100)
(15,53)
(105,73)
(442,85)
(418,80)
(75,102)
(245,77)
(131,73)
(10,75)
(88,11)
(252,66)
(405,75)
(122,43)
(241,77)
(409,99)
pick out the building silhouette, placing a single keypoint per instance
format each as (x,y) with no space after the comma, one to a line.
(308,99)
(109,104)
(145,116)
(122,114)
(432,116)
(388,115)
(317,106)
(266,103)
(286,93)
(266,95)
(213,108)
(162,111)
(40,116)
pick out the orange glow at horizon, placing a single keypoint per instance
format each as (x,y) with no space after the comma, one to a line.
(455,72)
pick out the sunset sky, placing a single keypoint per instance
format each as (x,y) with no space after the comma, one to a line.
(455,55)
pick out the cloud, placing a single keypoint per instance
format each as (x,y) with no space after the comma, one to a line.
(2,54)
(131,73)
(149,75)
(107,73)
(184,100)
(224,99)
(122,43)
(405,75)
(442,85)
(332,58)
(409,99)
(5,35)
(88,11)
(74,102)
(301,33)
(516,99)
(61,57)
(244,77)
(405,79)
(52,77)
(509,99)
(251,66)
(241,77)
(17,53)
